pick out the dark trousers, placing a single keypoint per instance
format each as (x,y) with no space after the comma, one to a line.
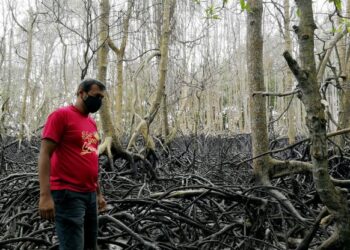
(76,219)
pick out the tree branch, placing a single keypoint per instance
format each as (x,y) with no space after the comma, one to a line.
(283,168)
(296,91)
(112,45)
(299,74)
(328,53)
(339,132)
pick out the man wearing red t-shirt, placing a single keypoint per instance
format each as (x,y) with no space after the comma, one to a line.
(68,169)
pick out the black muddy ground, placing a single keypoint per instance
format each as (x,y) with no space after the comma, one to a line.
(204,197)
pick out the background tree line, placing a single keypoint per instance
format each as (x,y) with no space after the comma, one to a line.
(47,47)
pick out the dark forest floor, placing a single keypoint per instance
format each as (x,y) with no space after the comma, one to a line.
(204,197)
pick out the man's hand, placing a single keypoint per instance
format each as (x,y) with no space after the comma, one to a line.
(101,202)
(46,204)
(46,207)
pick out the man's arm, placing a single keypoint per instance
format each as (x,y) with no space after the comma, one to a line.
(46,204)
(101,202)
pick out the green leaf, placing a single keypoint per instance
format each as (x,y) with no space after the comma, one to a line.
(244,5)
(247,7)
(197,1)
(337,3)
(339,29)
(210,11)
(298,12)
(242,2)
(224,2)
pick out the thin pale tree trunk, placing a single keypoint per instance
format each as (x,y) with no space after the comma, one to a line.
(163,64)
(257,105)
(120,52)
(111,139)
(27,75)
(344,95)
(165,122)
(264,166)
(144,125)
(64,58)
(289,80)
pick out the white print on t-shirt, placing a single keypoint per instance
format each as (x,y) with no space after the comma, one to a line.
(90,140)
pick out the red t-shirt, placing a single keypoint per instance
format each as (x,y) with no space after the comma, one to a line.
(74,163)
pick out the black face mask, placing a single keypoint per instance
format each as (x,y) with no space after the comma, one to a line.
(93,103)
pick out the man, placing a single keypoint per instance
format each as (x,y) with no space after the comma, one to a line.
(68,169)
